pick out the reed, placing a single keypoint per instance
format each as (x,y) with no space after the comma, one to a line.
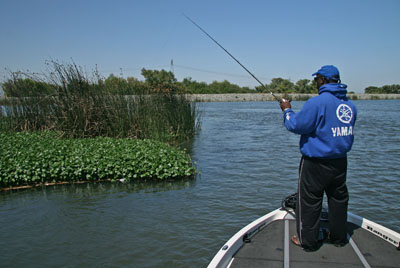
(78,106)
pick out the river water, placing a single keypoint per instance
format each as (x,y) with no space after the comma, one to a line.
(248,163)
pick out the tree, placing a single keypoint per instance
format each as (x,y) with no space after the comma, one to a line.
(115,85)
(371,89)
(391,89)
(156,78)
(262,89)
(280,85)
(194,87)
(26,87)
(386,89)
(223,87)
(160,81)
(304,86)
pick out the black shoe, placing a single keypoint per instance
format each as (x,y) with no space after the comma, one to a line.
(339,245)
(335,243)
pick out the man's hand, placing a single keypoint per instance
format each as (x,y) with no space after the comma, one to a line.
(285,104)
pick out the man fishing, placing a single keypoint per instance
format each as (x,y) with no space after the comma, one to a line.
(326,125)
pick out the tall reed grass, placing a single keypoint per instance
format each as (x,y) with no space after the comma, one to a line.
(76,105)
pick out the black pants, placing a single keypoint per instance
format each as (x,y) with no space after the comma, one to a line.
(317,176)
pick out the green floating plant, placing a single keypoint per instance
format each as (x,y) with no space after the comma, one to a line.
(37,158)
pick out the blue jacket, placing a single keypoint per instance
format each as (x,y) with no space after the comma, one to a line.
(325,123)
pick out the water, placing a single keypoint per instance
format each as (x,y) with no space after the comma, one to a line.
(248,163)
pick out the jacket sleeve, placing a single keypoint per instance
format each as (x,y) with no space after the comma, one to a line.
(303,122)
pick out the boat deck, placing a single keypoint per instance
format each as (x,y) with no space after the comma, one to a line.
(271,247)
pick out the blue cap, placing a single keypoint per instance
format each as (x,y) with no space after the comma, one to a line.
(329,71)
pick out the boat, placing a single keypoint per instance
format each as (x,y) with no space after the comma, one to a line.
(266,243)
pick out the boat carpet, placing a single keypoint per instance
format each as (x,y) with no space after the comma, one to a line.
(267,249)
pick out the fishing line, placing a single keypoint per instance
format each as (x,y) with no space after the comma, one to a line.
(215,41)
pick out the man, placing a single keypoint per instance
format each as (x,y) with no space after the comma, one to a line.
(326,125)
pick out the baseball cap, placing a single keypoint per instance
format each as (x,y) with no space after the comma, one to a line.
(329,71)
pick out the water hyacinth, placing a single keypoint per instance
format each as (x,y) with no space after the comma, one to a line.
(38,158)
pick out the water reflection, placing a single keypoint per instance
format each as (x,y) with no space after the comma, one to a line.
(98,189)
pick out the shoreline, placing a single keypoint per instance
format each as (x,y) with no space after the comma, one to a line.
(242,97)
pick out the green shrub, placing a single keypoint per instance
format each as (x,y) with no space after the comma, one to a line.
(353,97)
(36,158)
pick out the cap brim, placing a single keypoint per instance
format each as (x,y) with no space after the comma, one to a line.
(315,73)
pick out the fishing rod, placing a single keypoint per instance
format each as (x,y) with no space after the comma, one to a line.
(215,41)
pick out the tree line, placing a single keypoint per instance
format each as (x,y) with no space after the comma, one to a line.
(387,89)
(162,81)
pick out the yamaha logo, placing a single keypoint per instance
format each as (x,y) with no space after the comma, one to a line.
(344,113)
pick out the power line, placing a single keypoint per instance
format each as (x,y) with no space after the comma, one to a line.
(135,68)
(214,72)
(171,67)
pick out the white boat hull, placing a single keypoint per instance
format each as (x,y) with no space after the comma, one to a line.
(225,256)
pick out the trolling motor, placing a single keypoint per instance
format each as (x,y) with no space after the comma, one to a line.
(289,202)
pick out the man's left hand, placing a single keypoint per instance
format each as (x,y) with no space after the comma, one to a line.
(285,104)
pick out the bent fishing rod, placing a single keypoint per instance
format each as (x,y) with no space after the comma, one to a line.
(215,41)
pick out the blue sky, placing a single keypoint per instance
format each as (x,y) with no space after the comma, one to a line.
(288,39)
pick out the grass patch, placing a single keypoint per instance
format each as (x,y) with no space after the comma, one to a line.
(39,158)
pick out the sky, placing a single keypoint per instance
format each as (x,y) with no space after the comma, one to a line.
(287,39)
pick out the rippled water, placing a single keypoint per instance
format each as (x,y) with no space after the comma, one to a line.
(248,163)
